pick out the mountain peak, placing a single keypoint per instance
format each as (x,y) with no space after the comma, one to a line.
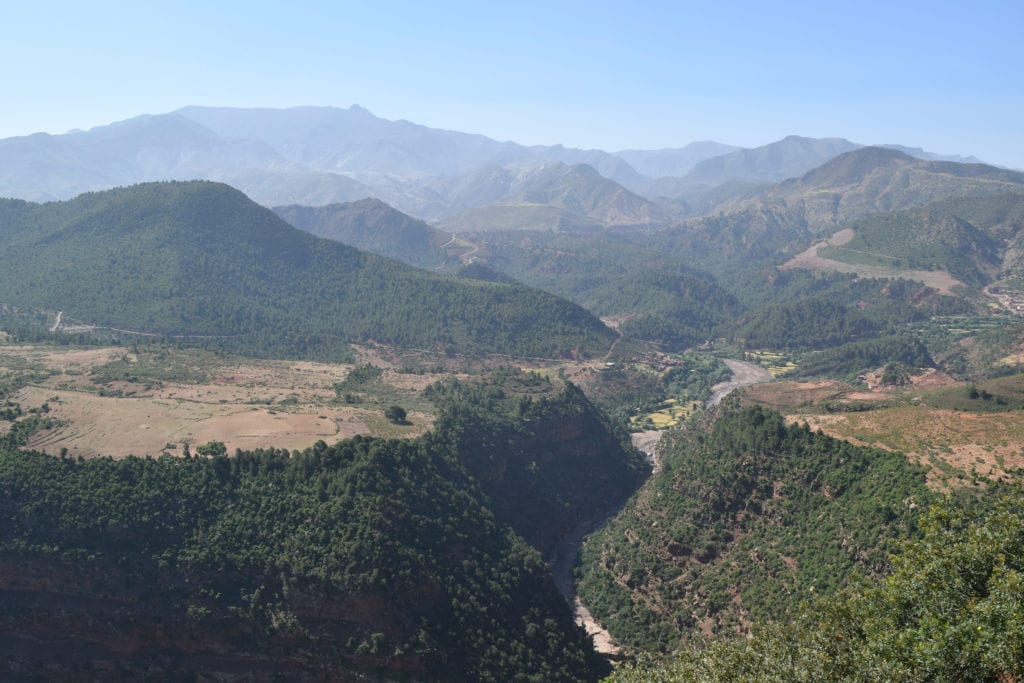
(789,157)
(851,167)
(361,110)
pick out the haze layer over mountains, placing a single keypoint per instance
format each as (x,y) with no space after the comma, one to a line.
(316,156)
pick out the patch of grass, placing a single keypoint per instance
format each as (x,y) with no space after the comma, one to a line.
(775,362)
(158,363)
(990,396)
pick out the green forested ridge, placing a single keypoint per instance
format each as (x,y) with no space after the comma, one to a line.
(373,226)
(545,456)
(746,519)
(798,310)
(370,556)
(893,240)
(951,611)
(663,301)
(968,236)
(668,304)
(807,324)
(855,357)
(201,259)
(758,288)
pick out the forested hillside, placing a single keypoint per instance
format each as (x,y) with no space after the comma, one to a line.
(952,610)
(747,518)
(786,218)
(657,297)
(974,238)
(373,226)
(366,558)
(199,260)
(548,460)
(369,557)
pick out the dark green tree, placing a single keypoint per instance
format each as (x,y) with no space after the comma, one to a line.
(396,414)
(212,448)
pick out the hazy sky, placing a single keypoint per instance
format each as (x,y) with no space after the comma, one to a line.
(947,76)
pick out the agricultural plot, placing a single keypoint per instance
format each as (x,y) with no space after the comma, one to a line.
(118,402)
(942,329)
(668,414)
(965,433)
(960,448)
(775,362)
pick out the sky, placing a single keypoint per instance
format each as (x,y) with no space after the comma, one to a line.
(945,76)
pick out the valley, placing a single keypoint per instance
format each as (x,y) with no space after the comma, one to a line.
(331,396)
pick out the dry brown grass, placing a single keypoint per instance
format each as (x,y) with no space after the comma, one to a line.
(244,403)
(809,259)
(783,396)
(957,446)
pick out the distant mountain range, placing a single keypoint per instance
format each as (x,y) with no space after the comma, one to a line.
(903,212)
(317,156)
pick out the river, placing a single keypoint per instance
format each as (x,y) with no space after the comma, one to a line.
(743,375)
(565,558)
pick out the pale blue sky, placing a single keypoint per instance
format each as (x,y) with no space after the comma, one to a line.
(947,76)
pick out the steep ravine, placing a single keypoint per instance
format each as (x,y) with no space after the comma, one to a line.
(565,554)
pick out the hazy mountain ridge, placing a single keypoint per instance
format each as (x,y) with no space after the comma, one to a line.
(549,197)
(325,155)
(787,217)
(787,158)
(716,182)
(673,162)
(372,225)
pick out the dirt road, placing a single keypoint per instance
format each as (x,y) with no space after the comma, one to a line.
(743,375)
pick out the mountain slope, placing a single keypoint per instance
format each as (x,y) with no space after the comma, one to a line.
(660,163)
(745,517)
(662,302)
(788,217)
(787,158)
(553,196)
(657,298)
(365,560)
(941,236)
(202,259)
(373,226)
